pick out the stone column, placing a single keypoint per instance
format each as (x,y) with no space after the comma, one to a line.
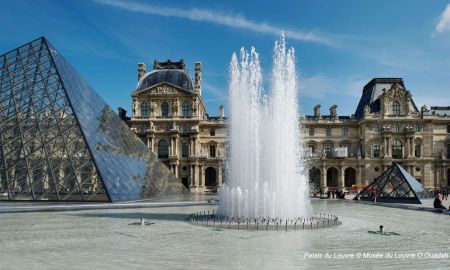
(341,177)
(152,145)
(197,176)
(149,143)
(438,175)
(219,173)
(407,148)
(202,176)
(174,146)
(323,177)
(192,172)
(359,172)
(176,169)
(193,148)
(389,154)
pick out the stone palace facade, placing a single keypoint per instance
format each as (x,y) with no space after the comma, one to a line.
(168,114)
(386,127)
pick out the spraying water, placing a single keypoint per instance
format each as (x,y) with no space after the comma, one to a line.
(266,178)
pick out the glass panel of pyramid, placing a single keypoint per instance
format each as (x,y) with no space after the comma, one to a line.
(395,185)
(60,141)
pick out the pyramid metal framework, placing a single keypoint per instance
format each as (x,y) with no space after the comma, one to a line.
(60,141)
(395,185)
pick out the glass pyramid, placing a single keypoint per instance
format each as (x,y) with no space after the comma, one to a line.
(60,141)
(395,185)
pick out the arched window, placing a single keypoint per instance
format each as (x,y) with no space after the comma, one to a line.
(163,149)
(376,150)
(186,109)
(396,108)
(397,149)
(144,109)
(164,109)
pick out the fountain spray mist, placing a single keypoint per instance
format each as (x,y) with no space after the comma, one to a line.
(266,176)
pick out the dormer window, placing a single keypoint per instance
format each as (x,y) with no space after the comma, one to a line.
(396,108)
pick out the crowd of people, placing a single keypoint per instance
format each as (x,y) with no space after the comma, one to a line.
(334,193)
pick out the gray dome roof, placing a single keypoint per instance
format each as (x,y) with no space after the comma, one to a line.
(177,77)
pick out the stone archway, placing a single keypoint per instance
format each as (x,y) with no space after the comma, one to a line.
(349,177)
(332,177)
(210,177)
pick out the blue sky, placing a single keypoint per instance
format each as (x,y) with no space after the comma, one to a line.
(340,45)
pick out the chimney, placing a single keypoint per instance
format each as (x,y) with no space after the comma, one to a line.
(122,113)
(317,111)
(141,70)
(333,112)
(198,78)
(221,112)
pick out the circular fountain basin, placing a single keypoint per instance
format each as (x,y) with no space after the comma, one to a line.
(214,220)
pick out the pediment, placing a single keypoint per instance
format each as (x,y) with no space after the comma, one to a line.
(397,90)
(164,88)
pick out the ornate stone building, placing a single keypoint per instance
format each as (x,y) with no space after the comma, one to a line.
(386,127)
(169,115)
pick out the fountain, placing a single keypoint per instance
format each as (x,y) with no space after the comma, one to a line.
(266,182)
(266,178)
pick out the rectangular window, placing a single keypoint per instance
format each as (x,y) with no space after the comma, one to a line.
(212,132)
(184,150)
(396,128)
(328,132)
(328,151)
(448,129)
(212,151)
(376,151)
(376,128)
(312,149)
(417,150)
(344,132)
(448,152)
(311,131)
(418,127)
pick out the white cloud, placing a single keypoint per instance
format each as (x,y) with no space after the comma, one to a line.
(212,90)
(205,15)
(444,21)
(320,86)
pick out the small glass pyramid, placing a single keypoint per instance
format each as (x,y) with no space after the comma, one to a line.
(395,185)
